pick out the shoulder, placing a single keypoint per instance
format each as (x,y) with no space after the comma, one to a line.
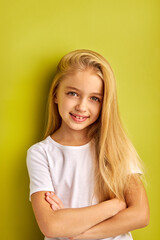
(44,151)
(37,152)
(39,145)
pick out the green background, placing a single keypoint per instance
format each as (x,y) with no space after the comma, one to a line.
(34,36)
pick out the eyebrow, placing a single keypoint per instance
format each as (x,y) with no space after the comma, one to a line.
(94,93)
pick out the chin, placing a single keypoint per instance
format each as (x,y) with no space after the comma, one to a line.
(78,128)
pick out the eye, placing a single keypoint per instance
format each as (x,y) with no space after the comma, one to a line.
(95,99)
(72,94)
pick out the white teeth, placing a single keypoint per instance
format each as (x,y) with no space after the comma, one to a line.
(79,117)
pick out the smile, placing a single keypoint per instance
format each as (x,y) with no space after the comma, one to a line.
(78,118)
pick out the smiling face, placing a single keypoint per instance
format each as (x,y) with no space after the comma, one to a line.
(79,98)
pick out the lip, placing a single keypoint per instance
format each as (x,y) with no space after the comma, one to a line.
(78,120)
(78,115)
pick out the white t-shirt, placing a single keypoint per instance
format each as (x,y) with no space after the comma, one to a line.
(65,170)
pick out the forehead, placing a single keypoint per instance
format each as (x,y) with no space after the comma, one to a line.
(87,81)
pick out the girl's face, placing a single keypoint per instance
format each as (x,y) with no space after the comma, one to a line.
(79,98)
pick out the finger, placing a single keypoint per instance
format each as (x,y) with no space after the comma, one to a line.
(55,207)
(48,193)
(49,200)
(53,197)
(56,199)
(52,202)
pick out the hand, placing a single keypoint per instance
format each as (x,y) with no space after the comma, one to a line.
(54,201)
(120,205)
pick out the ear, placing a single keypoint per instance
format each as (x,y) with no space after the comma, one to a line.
(55,99)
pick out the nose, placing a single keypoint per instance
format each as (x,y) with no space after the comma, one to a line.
(81,106)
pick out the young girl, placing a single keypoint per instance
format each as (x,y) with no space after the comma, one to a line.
(85,173)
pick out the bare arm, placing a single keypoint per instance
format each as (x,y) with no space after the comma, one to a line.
(134,217)
(70,222)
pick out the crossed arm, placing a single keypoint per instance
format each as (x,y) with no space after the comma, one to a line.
(107,219)
(135,216)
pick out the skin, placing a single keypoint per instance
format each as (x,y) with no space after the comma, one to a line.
(81,94)
(136,215)
(76,95)
(70,222)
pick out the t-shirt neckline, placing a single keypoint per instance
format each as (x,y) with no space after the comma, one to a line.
(67,147)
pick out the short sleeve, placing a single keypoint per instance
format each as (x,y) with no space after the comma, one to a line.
(38,170)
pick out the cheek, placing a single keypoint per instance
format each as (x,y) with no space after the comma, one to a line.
(65,104)
(96,110)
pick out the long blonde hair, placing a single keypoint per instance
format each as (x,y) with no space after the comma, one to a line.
(116,157)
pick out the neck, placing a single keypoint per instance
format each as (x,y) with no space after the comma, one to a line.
(72,137)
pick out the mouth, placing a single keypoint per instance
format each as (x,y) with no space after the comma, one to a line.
(78,118)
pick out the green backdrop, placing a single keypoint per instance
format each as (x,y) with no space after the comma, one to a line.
(35,34)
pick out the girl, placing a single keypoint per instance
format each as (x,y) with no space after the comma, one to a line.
(85,173)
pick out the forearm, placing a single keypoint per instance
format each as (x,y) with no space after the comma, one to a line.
(73,221)
(125,221)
